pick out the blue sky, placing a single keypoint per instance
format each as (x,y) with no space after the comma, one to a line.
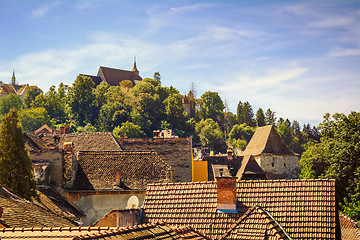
(299,58)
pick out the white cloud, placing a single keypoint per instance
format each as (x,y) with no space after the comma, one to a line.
(339,21)
(42,10)
(273,77)
(83,5)
(344,52)
(190,8)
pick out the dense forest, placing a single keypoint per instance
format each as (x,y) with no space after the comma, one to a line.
(331,150)
(135,111)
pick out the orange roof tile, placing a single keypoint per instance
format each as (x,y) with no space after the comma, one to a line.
(349,228)
(301,207)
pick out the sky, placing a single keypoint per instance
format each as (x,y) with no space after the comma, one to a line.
(301,59)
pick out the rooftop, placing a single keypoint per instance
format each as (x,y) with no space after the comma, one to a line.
(266,140)
(18,212)
(303,208)
(98,170)
(174,151)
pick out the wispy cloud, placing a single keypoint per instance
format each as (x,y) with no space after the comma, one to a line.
(344,52)
(42,10)
(190,8)
(83,5)
(339,21)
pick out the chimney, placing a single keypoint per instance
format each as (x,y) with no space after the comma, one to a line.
(68,147)
(229,154)
(117,178)
(226,194)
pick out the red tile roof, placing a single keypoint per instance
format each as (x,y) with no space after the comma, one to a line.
(144,231)
(68,233)
(349,228)
(256,224)
(304,208)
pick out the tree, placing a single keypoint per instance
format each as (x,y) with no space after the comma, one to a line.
(260,118)
(9,102)
(157,77)
(81,100)
(210,134)
(270,118)
(145,113)
(239,113)
(112,114)
(211,106)
(248,114)
(87,128)
(285,132)
(174,110)
(53,103)
(30,94)
(128,130)
(240,135)
(100,94)
(33,118)
(16,171)
(337,156)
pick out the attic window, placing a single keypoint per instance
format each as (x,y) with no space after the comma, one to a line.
(221,172)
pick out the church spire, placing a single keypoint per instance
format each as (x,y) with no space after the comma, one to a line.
(134,68)
(13,79)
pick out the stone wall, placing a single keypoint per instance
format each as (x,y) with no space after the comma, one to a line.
(54,158)
(279,166)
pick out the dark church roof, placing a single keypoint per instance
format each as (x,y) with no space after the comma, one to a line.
(114,76)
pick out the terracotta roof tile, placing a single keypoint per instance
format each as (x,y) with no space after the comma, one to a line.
(176,152)
(97,169)
(90,141)
(349,228)
(18,212)
(301,207)
(145,231)
(68,233)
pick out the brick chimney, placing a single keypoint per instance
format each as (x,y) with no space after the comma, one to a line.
(226,194)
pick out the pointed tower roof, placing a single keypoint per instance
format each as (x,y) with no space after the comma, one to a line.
(266,140)
(135,68)
(13,78)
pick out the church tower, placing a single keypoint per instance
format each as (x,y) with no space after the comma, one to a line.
(135,68)
(13,79)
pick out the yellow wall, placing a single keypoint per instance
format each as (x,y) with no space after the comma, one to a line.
(199,171)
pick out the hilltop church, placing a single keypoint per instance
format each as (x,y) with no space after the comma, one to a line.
(13,87)
(114,76)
